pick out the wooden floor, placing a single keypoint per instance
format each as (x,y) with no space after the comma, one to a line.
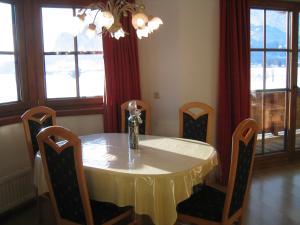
(274,200)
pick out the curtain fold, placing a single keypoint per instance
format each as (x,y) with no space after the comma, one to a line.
(234,76)
(122,76)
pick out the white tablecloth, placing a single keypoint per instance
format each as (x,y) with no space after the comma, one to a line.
(153,179)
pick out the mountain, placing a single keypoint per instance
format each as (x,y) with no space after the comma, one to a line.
(275,38)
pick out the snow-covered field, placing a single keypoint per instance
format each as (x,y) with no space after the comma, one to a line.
(276,77)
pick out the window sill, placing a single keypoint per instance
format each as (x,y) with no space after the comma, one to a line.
(7,120)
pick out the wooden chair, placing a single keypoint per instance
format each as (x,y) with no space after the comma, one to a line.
(63,168)
(145,127)
(211,206)
(196,126)
(34,120)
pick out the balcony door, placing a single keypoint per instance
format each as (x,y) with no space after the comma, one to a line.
(275,80)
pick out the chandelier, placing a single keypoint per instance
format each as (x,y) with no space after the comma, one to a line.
(107,18)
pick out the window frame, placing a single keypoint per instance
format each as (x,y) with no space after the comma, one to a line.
(293,7)
(10,110)
(64,106)
(265,90)
(29,45)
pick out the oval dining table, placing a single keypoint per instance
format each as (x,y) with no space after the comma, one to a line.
(152,179)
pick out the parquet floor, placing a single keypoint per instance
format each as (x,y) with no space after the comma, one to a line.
(274,200)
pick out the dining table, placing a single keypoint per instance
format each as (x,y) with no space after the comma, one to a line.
(153,178)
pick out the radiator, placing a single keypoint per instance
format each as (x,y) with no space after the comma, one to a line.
(16,189)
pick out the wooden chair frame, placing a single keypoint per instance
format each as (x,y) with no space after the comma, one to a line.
(244,132)
(206,109)
(30,115)
(144,106)
(71,140)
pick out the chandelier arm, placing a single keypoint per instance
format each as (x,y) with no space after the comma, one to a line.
(96,16)
(128,8)
(101,6)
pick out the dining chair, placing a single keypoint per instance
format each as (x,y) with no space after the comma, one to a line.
(63,169)
(212,206)
(33,121)
(195,121)
(145,127)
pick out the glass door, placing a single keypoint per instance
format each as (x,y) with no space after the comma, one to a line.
(297,87)
(270,55)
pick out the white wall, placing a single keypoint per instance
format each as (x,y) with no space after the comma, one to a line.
(13,150)
(180,60)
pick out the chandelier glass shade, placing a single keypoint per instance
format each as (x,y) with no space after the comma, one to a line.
(107,19)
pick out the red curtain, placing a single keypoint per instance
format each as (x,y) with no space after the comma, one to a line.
(122,77)
(234,76)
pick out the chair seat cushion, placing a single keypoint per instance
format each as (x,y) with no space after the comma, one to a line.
(207,203)
(104,211)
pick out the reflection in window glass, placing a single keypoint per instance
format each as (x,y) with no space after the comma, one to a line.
(91,75)
(8,83)
(257,28)
(276,72)
(57,29)
(257,71)
(6,24)
(60,76)
(276,29)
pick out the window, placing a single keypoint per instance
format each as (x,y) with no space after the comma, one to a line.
(8,56)
(43,63)
(270,55)
(74,66)
(274,55)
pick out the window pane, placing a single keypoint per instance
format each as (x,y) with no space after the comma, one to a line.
(256,113)
(6,24)
(298,79)
(57,29)
(91,75)
(299,33)
(8,83)
(86,43)
(297,145)
(257,78)
(276,72)
(89,44)
(276,26)
(60,76)
(257,28)
(275,129)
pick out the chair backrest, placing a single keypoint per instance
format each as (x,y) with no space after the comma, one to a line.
(33,121)
(196,125)
(63,169)
(145,127)
(242,158)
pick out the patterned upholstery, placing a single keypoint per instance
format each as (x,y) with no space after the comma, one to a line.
(35,128)
(195,129)
(207,203)
(64,182)
(65,186)
(242,174)
(142,126)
